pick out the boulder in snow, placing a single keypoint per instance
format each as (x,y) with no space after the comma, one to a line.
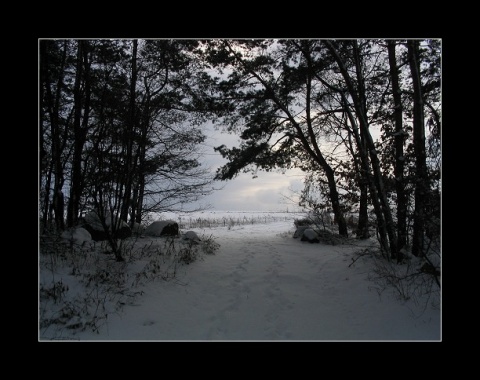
(138,229)
(162,228)
(191,236)
(310,236)
(78,235)
(93,225)
(299,231)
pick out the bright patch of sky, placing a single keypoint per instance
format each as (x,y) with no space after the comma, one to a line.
(268,191)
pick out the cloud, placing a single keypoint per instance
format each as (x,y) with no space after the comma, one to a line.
(243,193)
(265,193)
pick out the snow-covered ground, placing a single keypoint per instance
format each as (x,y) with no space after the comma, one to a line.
(261,284)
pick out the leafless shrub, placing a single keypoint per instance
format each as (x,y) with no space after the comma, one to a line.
(415,279)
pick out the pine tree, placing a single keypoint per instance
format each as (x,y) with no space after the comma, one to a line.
(271,99)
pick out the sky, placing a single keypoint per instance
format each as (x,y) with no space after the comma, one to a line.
(269,191)
(260,284)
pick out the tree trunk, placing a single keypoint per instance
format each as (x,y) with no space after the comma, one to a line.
(46,205)
(399,157)
(53,109)
(59,206)
(139,203)
(421,181)
(139,190)
(362,231)
(80,131)
(334,198)
(129,140)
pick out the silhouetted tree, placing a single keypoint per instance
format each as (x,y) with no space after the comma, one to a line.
(271,97)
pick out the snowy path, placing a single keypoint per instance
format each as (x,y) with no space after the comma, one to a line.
(263,285)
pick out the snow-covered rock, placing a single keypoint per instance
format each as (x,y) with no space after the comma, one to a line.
(310,236)
(77,235)
(138,228)
(93,225)
(191,236)
(299,231)
(162,228)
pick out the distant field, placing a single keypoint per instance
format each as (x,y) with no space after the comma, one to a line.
(215,218)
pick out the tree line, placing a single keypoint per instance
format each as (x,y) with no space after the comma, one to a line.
(121,126)
(118,131)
